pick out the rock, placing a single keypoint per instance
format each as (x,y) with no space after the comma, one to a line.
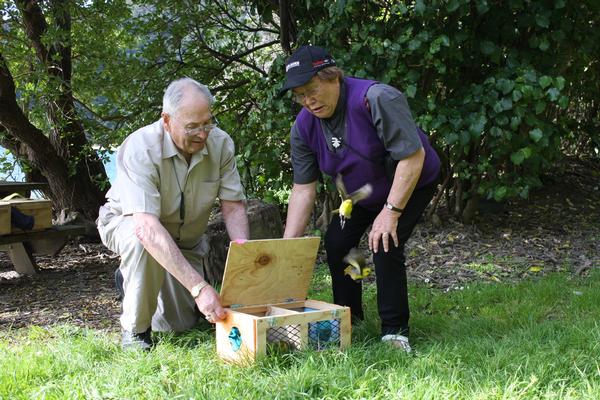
(265,223)
(67,217)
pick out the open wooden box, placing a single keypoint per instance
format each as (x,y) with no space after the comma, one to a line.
(265,288)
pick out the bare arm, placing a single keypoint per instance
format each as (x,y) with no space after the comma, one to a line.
(158,242)
(407,175)
(236,219)
(302,201)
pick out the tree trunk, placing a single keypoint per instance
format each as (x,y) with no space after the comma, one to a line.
(76,192)
(60,155)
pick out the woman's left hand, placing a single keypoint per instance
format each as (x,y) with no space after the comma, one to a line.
(383,228)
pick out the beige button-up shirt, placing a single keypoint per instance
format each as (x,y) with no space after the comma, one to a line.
(152,175)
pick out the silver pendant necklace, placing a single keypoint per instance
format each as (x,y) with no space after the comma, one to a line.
(336,142)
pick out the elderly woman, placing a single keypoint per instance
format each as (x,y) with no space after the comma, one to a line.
(362,131)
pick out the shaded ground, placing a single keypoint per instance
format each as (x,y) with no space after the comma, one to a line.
(557,229)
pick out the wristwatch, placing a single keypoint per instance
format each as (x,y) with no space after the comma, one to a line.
(390,206)
(196,289)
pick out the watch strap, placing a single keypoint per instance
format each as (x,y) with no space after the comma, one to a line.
(390,206)
(197,289)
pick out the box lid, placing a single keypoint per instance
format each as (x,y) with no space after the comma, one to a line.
(268,271)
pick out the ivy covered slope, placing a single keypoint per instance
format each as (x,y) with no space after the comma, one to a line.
(503,88)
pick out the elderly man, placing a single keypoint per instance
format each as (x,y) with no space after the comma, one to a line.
(169,175)
(362,131)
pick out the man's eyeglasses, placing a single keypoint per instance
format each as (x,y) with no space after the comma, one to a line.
(301,98)
(203,128)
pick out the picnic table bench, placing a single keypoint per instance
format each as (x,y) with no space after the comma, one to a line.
(22,246)
(9,187)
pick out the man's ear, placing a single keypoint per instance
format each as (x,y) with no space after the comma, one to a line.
(166,120)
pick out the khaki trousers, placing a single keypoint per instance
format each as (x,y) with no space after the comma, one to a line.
(153,297)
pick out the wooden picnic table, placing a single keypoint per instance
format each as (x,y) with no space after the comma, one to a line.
(22,246)
(8,187)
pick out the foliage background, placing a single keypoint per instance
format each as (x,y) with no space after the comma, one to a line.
(503,88)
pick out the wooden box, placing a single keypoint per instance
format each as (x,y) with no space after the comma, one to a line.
(39,209)
(265,286)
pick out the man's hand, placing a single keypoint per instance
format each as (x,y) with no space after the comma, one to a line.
(383,228)
(209,304)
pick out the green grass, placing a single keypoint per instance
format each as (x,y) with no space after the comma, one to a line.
(539,339)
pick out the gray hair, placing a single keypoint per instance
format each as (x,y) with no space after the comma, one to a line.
(176,90)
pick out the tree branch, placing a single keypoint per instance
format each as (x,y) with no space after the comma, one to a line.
(35,26)
(230,59)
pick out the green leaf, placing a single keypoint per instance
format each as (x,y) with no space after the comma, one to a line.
(553,93)
(543,19)
(482,7)
(560,82)
(452,5)
(502,120)
(496,131)
(563,102)
(515,122)
(544,44)
(420,7)
(414,44)
(451,138)
(506,103)
(341,4)
(516,95)
(411,91)
(536,134)
(500,193)
(505,85)
(545,81)
(476,128)
(465,137)
(540,106)
(517,157)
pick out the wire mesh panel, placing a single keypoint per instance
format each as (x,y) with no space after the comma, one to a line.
(324,334)
(285,337)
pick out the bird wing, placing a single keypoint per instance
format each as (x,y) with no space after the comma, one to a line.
(362,193)
(356,259)
(354,274)
(339,183)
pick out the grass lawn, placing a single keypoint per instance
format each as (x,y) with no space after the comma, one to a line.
(539,339)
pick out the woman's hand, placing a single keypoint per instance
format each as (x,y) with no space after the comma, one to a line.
(384,228)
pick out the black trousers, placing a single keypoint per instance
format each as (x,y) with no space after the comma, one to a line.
(390,268)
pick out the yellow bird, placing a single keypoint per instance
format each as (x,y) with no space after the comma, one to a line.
(358,268)
(348,200)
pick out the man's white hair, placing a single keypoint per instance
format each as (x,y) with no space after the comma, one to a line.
(177,88)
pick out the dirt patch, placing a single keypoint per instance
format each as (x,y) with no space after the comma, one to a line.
(557,229)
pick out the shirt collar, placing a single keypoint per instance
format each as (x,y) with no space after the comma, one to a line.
(170,150)
(340,108)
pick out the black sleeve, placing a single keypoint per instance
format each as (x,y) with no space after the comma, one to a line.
(304,161)
(393,121)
